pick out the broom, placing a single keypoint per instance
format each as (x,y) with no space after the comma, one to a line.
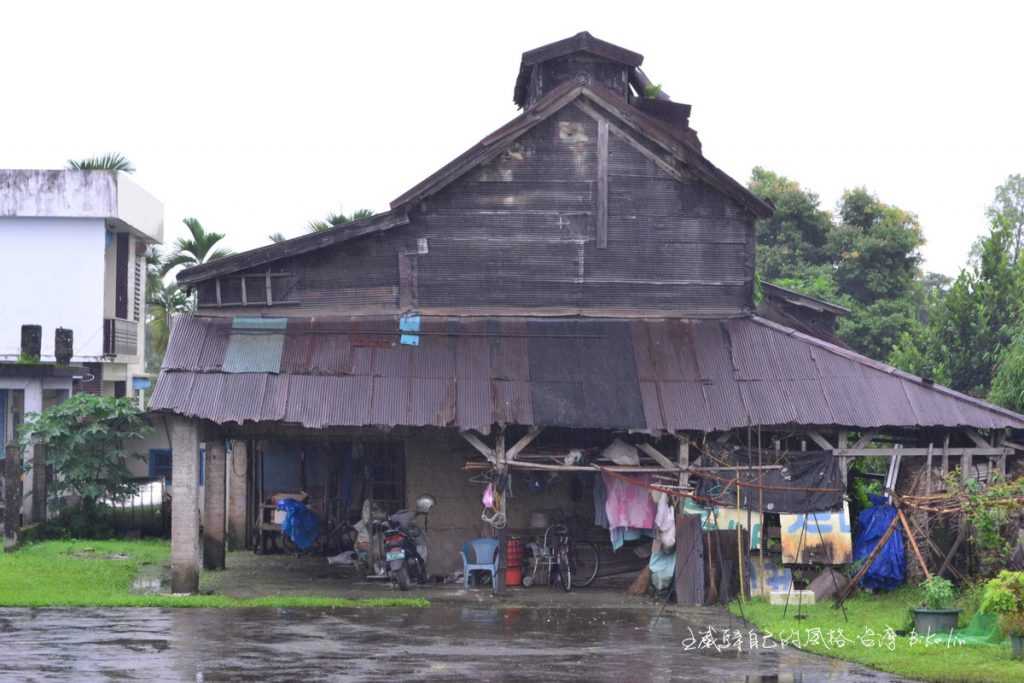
(641,583)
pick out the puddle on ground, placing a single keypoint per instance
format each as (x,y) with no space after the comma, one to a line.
(390,644)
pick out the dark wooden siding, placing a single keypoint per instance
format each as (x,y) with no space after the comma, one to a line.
(519,233)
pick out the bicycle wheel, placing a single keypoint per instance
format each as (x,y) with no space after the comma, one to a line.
(585,563)
(565,567)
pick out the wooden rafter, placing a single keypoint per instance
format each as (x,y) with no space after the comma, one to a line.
(518,446)
(820,440)
(479,445)
(657,456)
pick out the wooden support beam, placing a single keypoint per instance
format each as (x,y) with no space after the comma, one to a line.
(602,183)
(657,456)
(843,440)
(913,543)
(865,439)
(683,458)
(960,536)
(476,443)
(868,561)
(928,471)
(977,438)
(518,446)
(820,440)
(915,452)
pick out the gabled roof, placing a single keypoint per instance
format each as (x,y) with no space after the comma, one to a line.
(618,109)
(581,42)
(293,247)
(626,116)
(470,373)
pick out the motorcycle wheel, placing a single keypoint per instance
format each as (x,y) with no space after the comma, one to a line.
(402,577)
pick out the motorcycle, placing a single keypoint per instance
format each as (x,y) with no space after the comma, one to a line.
(405,544)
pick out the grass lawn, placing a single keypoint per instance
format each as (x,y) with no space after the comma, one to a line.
(877,612)
(100,574)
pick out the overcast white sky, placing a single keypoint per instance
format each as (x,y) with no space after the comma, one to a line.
(256,118)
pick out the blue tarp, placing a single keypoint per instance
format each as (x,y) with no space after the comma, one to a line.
(887,571)
(300,523)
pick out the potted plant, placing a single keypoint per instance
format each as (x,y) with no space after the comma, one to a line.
(1004,596)
(937,615)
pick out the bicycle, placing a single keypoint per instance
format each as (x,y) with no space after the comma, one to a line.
(577,562)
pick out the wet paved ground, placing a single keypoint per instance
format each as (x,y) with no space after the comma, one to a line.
(450,642)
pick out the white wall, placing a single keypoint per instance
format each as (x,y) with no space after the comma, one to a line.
(51,274)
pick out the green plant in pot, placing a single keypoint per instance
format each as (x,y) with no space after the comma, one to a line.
(937,615)
(1004,596)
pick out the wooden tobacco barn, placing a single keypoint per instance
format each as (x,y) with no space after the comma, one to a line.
(581,277)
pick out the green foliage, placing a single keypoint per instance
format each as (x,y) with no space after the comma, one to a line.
(100,573)
(652,91)
(200,247)
(27,359)
(989,509)
(794,239)
(1004,595)
(84,438)
(276,237)
(335,219)
(974,663)
(1008,384)
(969,327)
(865,257)
(938,593)
(106,162)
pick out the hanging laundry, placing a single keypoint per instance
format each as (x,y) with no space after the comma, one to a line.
(665,521)
(600,500)
(628,504)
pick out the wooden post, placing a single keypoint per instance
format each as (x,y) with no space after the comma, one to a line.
(12,496)
(928,466)
(844,439)
(945,459)
(184,505)
(498,584)
(238,495)
(215,504)
(683,460)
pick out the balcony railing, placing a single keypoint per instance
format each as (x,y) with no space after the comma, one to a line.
(120,337)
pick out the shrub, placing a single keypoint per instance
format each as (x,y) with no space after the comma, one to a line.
(1004,595)
(938,593)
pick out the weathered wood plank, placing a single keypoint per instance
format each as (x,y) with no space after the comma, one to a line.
(602,184)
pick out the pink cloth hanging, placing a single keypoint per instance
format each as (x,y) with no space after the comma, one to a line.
(628,505)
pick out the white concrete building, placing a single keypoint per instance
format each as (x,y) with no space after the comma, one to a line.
(72,256)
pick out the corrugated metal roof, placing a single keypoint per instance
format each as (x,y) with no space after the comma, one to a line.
(615,374)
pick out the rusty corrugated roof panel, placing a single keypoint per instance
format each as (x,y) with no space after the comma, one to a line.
(612,374)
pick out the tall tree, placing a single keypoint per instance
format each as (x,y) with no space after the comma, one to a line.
(200,247)
(793,243)
(973,323)
(106,162)
(1008,210)
(865,257)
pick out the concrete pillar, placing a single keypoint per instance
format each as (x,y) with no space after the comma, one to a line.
(238,495)
(215,504)
(12,495)
(34,507)
(184,505)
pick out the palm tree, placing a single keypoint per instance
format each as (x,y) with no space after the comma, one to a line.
(162,302)
(333,220)
(107,162)
(199,248)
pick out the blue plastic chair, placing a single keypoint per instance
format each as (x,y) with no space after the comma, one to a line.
(480,549)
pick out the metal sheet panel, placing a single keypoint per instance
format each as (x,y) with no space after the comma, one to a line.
(562,372)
